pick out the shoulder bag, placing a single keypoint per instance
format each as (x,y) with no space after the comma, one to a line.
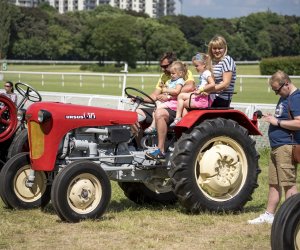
(296,147)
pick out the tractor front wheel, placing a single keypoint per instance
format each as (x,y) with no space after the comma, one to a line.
(81,191)
(14,189)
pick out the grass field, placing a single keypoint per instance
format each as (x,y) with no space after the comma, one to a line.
(249,90)
(126,225)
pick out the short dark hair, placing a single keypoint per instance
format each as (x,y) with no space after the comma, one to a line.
(170,56)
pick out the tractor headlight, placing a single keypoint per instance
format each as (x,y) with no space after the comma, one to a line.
(43,116)
(21,115)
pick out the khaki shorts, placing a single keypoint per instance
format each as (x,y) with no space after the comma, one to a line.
(282,171)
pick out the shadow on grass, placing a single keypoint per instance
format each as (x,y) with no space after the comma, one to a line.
(121,205)
(254,208)
(126,204)
(118,206)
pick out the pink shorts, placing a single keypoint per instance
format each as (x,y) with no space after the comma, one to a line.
(200,101)
(171,104)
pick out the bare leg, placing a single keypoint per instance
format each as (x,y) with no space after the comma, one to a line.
(152,125)
(290,190)
(179,110)
(158,106)
(141,113)
(273,198)
(162,118)
(184,112)
(181,103)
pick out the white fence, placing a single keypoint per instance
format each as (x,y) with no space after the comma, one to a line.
(103,79)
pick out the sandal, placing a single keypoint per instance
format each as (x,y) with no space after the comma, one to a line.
(174,123)
(150,130)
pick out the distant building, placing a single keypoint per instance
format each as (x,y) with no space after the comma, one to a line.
(154,8)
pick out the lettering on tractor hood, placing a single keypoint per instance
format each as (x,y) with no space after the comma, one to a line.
(83,116)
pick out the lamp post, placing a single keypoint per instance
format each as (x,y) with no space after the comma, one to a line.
(181,4)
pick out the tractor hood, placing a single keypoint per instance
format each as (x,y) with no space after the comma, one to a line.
(72,115)
(49,122)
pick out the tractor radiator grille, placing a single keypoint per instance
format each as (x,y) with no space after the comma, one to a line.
(36,140)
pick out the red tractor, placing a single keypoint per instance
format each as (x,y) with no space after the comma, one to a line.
(13,133)
(75,151)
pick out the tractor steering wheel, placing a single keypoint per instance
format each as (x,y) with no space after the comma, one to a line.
(28,92)
(8,118)
(139,99)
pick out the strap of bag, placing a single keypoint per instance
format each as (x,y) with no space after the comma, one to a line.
(291,117)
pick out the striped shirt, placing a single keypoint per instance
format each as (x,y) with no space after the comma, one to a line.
(225,65)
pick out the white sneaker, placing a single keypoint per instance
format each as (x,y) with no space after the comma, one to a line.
(263,218)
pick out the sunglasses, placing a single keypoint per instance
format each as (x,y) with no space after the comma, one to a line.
(7,86)
(165,66)
(278,90)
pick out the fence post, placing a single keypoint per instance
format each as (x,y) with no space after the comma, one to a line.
(241,84)
(125,71)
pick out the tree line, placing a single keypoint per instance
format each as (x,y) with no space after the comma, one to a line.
(108,33)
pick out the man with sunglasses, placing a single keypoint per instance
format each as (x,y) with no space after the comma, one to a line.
(284,131)
(165,116)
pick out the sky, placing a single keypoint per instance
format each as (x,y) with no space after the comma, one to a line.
(236,8)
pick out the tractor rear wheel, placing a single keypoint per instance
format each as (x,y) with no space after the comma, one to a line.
(13,184)
(215,167)
(285,233)
(19,144)
(81,191)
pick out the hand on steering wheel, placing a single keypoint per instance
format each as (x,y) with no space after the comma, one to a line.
(140,99)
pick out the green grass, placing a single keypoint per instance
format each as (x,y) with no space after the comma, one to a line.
(126,225)
(249,90)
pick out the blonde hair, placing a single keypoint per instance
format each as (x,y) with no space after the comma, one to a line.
(219,42)
(205,59)
(180,68)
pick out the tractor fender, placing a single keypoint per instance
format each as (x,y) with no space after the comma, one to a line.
(195,117)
